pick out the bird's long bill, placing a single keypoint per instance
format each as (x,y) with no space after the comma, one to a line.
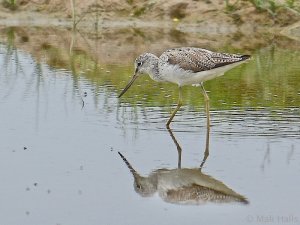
(128,85)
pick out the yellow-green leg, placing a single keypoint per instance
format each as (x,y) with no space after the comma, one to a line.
(179,104)
(206,152)
(179,149)
(206,98)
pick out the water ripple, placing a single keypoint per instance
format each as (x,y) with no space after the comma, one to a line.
(238,122)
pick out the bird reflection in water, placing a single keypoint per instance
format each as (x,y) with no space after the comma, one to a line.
(184,185)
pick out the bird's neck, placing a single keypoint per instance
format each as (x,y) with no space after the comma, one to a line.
(152,70)
(154,73)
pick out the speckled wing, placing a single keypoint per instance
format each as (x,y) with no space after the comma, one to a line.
(198,59)
(195,194)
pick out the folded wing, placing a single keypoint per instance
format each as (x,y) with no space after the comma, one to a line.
(198,59)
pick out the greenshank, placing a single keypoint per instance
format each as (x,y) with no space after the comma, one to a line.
(187,186)
(185,66)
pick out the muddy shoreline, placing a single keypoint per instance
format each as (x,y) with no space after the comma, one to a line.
(207,17)
(114,34)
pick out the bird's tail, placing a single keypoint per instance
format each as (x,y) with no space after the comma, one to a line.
(245,57)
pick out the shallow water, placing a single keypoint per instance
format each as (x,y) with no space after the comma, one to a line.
(62,126)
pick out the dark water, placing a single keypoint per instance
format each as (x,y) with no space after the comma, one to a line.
(62,126)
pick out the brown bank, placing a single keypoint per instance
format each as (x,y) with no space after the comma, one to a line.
(132,26)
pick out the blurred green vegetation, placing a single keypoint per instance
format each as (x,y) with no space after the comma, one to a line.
(270,6)
(270,79)
(10,4)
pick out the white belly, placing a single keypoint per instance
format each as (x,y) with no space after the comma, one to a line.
(174,74)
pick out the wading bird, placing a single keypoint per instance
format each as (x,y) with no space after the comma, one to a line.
(187,186)
(185,66)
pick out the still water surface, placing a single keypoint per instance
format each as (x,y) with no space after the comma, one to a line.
(62,127)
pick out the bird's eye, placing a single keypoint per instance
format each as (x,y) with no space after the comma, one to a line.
(139,63)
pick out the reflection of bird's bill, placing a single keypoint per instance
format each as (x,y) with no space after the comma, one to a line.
(128,85)
(128,164)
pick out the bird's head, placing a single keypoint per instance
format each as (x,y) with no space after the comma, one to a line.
(145,186)
(142,65)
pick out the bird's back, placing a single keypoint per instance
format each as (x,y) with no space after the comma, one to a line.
(199,59)
(188,65)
